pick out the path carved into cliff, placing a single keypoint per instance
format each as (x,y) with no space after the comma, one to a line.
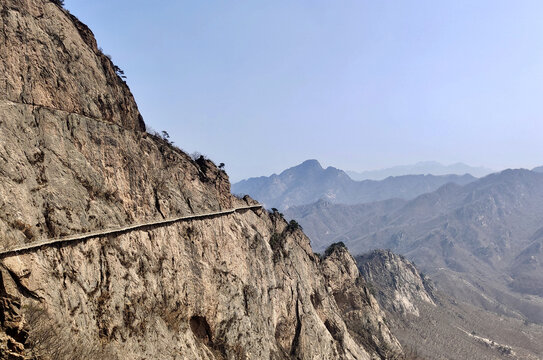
(93,234)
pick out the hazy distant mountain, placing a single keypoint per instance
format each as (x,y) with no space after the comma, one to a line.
(481,241)
(421,168)
(538,169)
(309,182)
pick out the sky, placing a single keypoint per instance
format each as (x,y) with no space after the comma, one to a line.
(359,85)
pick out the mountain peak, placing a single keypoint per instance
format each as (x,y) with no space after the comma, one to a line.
(308,182)
(310,164)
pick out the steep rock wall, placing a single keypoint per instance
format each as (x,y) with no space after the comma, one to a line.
(49,58)
(73,160)
(361,312)
(401,286)
(236,286)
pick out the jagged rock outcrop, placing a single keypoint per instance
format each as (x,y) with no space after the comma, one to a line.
(431,325)
(13,336)
(401,287)
(73,159)
(361,312)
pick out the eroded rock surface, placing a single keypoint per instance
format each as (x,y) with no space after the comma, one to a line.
(49,58)
(361,312)
(401,285)
(431,325)
(73,159)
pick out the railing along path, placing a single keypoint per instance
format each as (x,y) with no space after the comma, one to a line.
(92,234)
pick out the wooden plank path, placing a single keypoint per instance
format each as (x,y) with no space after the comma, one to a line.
(92,234)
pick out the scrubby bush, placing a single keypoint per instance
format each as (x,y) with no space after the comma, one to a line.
(119,72)
(48,339)
(58,2)
(333,247)
(293,225)
(276,240)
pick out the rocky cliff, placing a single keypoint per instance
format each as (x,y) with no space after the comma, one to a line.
(432,325)
(363,316)
(51,59)
(74,158)
(400,285)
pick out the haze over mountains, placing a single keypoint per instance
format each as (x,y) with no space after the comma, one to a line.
(421,168)
(116,244)
(309,182)
(481,242)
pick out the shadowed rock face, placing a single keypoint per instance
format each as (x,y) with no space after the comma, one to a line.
(363,316)
(239,286)
(49,58)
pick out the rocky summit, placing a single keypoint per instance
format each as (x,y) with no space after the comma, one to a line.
(75,158)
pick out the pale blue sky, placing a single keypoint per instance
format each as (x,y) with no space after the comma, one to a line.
(264,85)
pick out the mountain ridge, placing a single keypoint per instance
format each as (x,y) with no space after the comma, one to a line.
(309,182)
(431,324)
(421,168)
(469,238)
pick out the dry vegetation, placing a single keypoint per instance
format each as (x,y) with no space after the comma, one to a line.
(49,340)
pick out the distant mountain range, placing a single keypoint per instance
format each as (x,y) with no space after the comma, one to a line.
(421,168)
(309,182)
(482,242)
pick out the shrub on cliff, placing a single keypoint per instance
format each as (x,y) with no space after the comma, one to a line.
(333,247)
(293,225)
(58,2)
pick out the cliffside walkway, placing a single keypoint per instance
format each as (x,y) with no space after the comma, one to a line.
(92,234)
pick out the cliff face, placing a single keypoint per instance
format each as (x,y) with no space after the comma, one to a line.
(51,59)
(72,160)
(401,287)
(361,312)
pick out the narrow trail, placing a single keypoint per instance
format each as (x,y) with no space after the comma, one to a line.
(93,234)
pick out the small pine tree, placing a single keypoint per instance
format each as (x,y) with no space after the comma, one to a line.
(333,247)
(293,225)
(119,71)
(58,2)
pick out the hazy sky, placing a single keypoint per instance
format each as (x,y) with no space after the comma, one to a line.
(264,85)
